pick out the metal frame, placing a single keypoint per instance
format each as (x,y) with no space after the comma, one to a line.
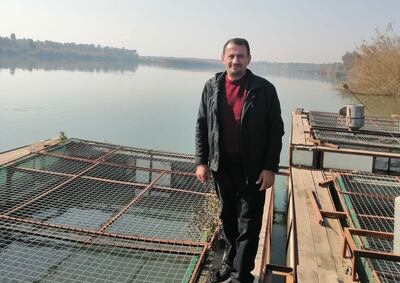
(184,247)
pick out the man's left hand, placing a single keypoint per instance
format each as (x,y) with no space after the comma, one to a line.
(266,179)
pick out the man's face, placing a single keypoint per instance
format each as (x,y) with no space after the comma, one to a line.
(235,59)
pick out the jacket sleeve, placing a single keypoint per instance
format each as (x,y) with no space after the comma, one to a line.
(202,131)
(275,133)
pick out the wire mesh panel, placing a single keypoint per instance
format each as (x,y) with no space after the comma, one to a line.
(134,175)
(369,199)
(335,121)
(167,214)
(17,187)
(80,149)
(387,271)
(183,182)
(372,184)
(355,138)
(35,255)
(153,160)
(54,164)
(81,203)
(83,211)
(375,224)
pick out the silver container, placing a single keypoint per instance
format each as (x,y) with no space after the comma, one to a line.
(354,115)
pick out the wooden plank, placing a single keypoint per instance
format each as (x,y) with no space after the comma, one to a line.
(297,130)
(332,229)
(12,155)
(307,269)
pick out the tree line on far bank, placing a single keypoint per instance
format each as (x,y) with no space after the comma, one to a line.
(50,50)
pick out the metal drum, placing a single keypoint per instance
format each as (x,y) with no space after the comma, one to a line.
(354,116)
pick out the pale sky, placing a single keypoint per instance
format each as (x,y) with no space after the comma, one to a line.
(312,31)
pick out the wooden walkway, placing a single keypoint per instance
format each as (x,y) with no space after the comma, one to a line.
(317,246)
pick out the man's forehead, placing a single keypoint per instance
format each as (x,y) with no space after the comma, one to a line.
(235,48)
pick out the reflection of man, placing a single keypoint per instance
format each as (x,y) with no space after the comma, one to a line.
(239,137)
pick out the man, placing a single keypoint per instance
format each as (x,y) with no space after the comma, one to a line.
(239,138)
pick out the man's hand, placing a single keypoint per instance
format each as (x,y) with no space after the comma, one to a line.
(266,179)
(202,173)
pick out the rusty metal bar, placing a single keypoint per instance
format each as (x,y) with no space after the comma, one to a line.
(182,191)
(333,214)
(113,244)
(367,195)
(195,272)
(26,169)
(49,191)
(377,255)
(118,165)
(67,157)
(325,182)
(370,233)
(342,203)
(123,210)
(106,234)
(98,160)
(130,148)
(375,216)
(317,212)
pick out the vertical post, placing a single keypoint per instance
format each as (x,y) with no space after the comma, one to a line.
(396,240)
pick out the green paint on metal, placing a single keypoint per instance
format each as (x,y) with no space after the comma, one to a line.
(363,269)
(190,269)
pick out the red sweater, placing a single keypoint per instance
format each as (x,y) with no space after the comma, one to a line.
(231,110)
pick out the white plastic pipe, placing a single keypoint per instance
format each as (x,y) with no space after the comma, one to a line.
(396,242)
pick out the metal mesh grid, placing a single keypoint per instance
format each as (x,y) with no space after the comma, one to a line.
(153,160)
(121,214)
(80,149)
(354,138)
(54,164)
(369,199)
(132,175)
(336,121)
(183,182)
(376,224)
(168,214)
(81,203)
(32,255)
(17,187)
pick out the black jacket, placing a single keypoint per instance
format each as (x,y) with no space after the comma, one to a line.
(261,128)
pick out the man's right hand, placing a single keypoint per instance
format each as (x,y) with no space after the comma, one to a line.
(202,173)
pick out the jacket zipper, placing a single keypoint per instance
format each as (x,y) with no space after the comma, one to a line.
(246,106)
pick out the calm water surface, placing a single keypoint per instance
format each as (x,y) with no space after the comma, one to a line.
(151,107)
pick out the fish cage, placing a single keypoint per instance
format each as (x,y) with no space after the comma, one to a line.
(368,200)
(85,211)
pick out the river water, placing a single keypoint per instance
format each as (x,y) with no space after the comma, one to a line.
(149,107)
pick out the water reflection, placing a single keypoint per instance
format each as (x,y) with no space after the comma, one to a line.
(70,65)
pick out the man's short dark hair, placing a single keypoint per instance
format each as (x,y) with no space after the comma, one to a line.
(238,41)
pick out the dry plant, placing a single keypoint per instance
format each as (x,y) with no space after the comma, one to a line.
(206,217)
(375,67)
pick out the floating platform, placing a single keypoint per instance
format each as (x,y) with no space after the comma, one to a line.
(82,211)
(341,199)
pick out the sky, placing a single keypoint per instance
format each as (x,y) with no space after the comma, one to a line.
(310,31)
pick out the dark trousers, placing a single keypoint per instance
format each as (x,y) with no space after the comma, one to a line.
(241,207)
